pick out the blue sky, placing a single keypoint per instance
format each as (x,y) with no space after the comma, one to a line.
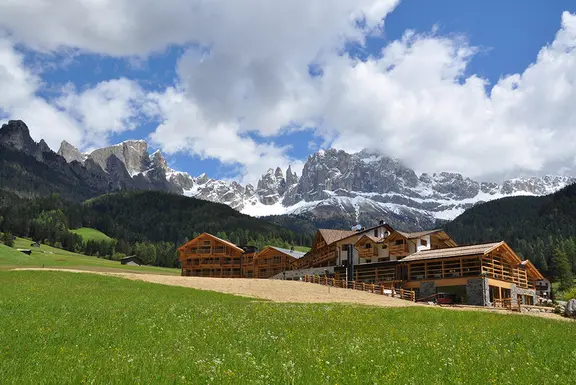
(507,36)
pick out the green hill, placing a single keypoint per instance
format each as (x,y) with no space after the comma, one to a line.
(89,234)
(46,256)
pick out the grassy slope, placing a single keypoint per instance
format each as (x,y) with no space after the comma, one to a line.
(46,256)
(303,249)
(62,327)
(89,234)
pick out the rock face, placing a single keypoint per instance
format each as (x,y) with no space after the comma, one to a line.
(133,153)
(71,153)
(570,309)
(16,135)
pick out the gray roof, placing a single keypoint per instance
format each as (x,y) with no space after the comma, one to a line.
(293,253)
(452,252)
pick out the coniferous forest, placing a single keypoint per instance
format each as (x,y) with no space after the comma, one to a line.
(149,224)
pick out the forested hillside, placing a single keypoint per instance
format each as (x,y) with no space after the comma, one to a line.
(150,224)
(542,229)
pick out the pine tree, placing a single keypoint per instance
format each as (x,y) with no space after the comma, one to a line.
(562,269)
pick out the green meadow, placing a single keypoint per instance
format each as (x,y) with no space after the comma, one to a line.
(46,256)
(59,327)
(89,234)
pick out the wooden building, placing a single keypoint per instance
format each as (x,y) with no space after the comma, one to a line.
(210,256)
(428,262)
(274,260)
(331,247)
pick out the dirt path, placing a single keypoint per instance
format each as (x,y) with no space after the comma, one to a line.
(273,290)
(286,291)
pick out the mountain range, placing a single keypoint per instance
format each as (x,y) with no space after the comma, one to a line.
(336,189)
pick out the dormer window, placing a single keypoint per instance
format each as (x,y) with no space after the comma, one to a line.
(424,242)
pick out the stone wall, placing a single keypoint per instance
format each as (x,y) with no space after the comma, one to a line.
(427,289)
(297,274)
(514,291)
(478,292)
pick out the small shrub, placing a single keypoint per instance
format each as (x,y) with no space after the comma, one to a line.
(7,239)
(569,294)
(118,256)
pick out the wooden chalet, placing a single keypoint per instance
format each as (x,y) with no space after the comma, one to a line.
(210,256)
(428,262)
(331,247)
(486,274)
(274,260)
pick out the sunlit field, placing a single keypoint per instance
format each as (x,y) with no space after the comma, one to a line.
(60,327)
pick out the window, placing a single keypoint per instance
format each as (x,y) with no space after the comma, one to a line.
(424,242)
(375,232)
(384,247)
(399,242)
(368,246)
(206,243)
(368,261)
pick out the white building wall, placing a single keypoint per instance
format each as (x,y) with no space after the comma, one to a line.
(419,245)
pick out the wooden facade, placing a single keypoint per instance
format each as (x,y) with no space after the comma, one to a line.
(274,260)
(455,270)
(210,256)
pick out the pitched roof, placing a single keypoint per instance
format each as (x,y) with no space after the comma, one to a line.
(292,253)
(217,239)
(331,236)
(458,251)
(418,233)
(372,238)
(225,242)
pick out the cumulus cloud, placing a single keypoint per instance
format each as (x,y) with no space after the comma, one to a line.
(422,109)
(84,117)
(110,107)
(185,129)
(18,99)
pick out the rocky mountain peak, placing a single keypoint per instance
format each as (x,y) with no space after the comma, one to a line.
(70,153)
(16,135)
(291,177)
(133,153)
(159,161)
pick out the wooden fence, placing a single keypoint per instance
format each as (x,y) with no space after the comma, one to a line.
(506,303)
(376,288)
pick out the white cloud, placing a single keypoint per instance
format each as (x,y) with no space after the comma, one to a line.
(110,107)
(423,111)
(186,130)
(18,100)
(83,118)
(245,73)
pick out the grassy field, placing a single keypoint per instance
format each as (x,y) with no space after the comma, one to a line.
(89,234)
(71,328)
(46,256)
(303,249)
